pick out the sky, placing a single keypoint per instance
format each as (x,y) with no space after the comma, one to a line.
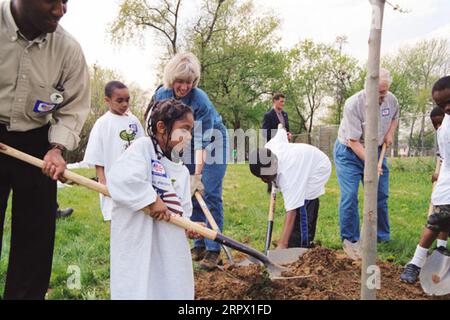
(320,20)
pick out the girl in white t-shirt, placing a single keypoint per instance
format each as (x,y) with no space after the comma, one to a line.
(150,258)
(301,172)
(111,135)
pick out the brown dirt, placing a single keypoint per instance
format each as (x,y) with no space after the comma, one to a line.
(327,275)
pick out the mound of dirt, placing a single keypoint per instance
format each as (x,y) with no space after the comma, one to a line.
(321,274)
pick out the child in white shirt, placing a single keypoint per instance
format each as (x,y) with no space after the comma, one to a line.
(111,135)
(150,259)
(439,221)
(301,172)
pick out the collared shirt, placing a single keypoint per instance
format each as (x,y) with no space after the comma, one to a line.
(280,117)
(41,81)
(353,124)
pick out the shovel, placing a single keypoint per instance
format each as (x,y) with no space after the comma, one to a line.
(436,171)
(273,198)
(213,223)
(273,269)
(434,276)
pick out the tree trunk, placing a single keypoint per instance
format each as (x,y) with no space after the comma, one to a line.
(396,137)
(411,133)
(369,270)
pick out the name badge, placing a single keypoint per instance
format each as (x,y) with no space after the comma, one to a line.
(385,112)
(44,107)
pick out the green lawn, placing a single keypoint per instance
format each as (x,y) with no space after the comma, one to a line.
(83,239)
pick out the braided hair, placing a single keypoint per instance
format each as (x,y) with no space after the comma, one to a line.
(168,111)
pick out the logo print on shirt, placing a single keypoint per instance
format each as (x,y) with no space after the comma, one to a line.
(44,107)
(164,188)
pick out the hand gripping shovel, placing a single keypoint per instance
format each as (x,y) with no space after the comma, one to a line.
(213,223)
(281,256)
(273,269)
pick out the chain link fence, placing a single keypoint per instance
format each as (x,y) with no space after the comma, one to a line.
(416,137)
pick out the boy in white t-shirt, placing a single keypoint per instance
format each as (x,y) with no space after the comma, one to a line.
(439,221)
(111,135)
(301,172)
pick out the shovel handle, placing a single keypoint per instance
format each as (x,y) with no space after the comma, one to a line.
(383,152)
(436,171)
(273,198)
(93,185)
(206,211)
(78,179)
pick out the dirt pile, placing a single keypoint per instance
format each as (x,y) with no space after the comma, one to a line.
(321,274)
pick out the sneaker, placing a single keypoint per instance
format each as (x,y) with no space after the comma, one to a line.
(198,253)
(64,213)
(211,260)
(352,249)
(410,274)
(443,250)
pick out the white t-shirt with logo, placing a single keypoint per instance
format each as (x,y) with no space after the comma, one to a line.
(110,136)
(303,170)
(150,259)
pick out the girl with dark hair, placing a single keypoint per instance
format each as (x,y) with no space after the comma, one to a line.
(150,259)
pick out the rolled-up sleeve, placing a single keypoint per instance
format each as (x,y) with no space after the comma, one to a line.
(71,115)
(353,123)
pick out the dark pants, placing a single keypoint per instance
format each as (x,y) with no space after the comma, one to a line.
(33,216)
(305,225)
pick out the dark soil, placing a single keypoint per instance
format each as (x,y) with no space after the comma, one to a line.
(325,274)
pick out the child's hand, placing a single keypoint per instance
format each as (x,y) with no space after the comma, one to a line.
(194,235)
(159,210)
(434,177)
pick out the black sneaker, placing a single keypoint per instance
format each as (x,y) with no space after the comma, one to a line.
(211,260)
(443,250)
(64,213)
(410,274)
(198,253)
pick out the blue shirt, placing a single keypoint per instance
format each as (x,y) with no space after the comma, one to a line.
(205,114)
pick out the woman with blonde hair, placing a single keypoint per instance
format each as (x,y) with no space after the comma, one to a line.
(207,157)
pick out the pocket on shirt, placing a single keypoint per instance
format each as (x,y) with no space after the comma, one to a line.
(44,100)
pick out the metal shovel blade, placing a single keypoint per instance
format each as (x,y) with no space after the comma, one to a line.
(286,256)
(434,276)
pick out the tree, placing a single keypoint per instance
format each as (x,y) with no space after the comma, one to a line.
(240,66)
(136,16)
(308,83)
(346,77)
(369,242)
(415,69)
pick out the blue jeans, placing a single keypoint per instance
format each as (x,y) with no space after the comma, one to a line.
(212,178)
(350,172)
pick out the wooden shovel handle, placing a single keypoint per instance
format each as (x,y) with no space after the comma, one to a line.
(93,185)
(206,211)
(436,171)
(383,152)
(273,198)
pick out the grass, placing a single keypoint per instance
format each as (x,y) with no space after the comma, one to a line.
(82,240)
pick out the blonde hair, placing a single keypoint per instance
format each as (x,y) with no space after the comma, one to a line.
(183,66)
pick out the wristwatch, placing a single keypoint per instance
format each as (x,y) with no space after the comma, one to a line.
(58,146)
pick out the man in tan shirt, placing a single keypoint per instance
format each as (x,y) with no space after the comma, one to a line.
(44,102)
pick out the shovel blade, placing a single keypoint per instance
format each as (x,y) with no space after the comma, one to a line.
(286,256)
(434,276)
